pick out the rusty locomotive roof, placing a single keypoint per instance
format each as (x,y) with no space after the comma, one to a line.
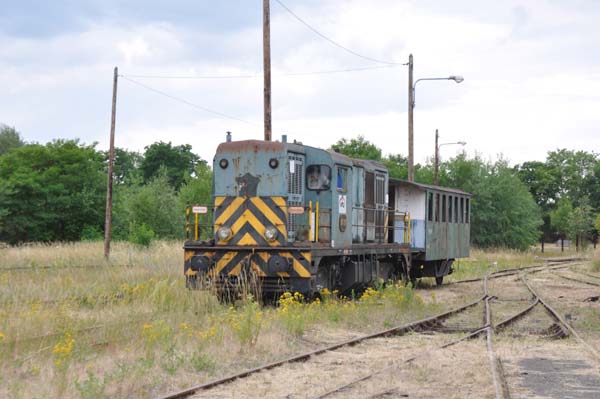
(251,145)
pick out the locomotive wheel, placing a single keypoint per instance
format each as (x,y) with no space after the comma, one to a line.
(439,280)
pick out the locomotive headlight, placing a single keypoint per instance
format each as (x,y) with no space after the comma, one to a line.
(271,233)
(224,233)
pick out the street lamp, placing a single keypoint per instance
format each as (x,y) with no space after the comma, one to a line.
(411,107)
(436,176)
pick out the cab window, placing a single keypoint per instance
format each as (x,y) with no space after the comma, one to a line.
(342,179)
(318,177)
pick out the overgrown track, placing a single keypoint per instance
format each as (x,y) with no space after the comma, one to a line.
(399,330)
(428,324)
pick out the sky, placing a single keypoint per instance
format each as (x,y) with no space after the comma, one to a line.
(531,73)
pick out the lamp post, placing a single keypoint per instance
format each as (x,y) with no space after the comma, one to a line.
(436,176)
(411,106)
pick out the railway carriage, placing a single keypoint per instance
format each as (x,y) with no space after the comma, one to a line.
(299,218)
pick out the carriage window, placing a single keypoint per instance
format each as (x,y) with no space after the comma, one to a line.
(443,208)
(437,207)
(450,213)
(467,211)
(342,179)
(456,209)
(430,207)
(318,177)
(462,210)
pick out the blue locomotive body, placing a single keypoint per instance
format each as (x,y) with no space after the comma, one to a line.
(299,218)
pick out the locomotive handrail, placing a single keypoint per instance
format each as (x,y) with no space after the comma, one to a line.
(202,222)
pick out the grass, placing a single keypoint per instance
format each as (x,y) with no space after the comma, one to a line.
(481,262)
(75,326)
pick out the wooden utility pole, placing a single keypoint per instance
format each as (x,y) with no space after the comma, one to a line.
(267,68)
(411,106)
(111,160)
(436,176)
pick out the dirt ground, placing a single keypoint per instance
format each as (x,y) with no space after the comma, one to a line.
(535,361)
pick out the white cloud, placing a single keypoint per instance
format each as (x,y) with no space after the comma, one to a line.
(531,72)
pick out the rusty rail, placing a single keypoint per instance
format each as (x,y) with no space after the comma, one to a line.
(305,356)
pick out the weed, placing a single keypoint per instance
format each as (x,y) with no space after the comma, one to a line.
(596,266)
(171,360)
(291,312)
(201,361)
(92,387)
(246,322)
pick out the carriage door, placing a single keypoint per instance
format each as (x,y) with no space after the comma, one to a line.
(295,192)
(380,207)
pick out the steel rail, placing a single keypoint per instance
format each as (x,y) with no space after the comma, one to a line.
(562,321)
(398,330)
(393,331)
(576,279)
(472,334)
(497,377)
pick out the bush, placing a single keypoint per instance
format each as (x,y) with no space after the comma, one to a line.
(92,233)
(141,235)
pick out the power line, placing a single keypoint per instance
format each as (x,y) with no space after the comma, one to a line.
(181,100)
(331,40)
(257,75)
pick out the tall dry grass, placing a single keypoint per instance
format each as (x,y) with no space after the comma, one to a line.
(75,326)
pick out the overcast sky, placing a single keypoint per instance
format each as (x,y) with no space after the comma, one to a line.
(531,69)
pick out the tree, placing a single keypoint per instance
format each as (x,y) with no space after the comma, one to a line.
(397,166)
(504,213)
(51,192)
(177,161)
(9,139)
(151,208)
(572,174)
(582,223)
(198,191)
(127,166)
(560,219)
(358,148)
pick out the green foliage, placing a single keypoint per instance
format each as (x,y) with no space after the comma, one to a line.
(141,235)
(91,233)
(358,148)
(197,190)
(560,218)
(142,213)
(201,362)
(126,169)
(177,162)
(597,222)
(582,222)
(9,139)
(397,166)
(51,192)
(503,211)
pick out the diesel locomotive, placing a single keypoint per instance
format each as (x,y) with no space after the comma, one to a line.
(298,218)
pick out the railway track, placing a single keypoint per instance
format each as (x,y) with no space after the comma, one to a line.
(426,325)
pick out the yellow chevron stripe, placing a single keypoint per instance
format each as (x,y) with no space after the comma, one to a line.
(247,239)
(264,256)
(229,211)
(248,217)
(188,255)
(219,201)
(298,268)
(279,201)
(270,215)
(224,261)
